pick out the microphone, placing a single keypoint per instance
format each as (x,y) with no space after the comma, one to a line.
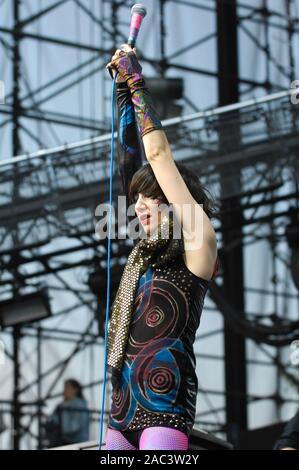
(138,12)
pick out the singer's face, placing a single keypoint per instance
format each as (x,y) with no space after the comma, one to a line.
(149,212)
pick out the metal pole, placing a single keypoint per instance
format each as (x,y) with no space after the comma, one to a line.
(233,284)
(16,79)
(39,387)
(16,402)
(16,147)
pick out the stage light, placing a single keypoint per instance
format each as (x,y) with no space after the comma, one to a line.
(97,283)
(166,88)
(26,308)
(165,91)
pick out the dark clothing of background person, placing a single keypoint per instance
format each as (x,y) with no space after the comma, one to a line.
(69,424)
(290,435)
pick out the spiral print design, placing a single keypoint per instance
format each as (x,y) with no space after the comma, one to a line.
(123,404)
(164,315)
(161,380)
(156,374)
(154,317)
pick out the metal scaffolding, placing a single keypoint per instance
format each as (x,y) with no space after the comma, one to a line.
(246,153)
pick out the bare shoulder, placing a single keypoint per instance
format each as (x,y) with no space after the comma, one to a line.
(201,261)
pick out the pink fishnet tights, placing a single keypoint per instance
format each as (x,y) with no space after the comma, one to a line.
(154,438)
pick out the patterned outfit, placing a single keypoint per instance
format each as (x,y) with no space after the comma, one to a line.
(158,384)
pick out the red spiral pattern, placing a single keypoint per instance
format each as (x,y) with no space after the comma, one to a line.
(154,317)
(161,380)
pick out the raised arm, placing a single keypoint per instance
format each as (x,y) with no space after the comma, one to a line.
(129,154)
(200,251)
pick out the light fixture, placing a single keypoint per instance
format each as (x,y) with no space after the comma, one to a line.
(25,308)
(165,91)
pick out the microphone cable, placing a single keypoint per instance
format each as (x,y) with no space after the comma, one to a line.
(108,261)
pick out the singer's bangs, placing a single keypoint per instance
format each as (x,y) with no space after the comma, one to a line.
(144,182)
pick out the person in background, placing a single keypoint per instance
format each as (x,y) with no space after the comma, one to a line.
(289,439)
(69,423)
(2,422)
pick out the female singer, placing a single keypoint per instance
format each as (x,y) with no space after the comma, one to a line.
(160,298)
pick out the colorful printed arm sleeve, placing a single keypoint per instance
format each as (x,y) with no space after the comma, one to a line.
(129,146)
(130,71)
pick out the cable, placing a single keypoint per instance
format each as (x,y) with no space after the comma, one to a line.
(108,262)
